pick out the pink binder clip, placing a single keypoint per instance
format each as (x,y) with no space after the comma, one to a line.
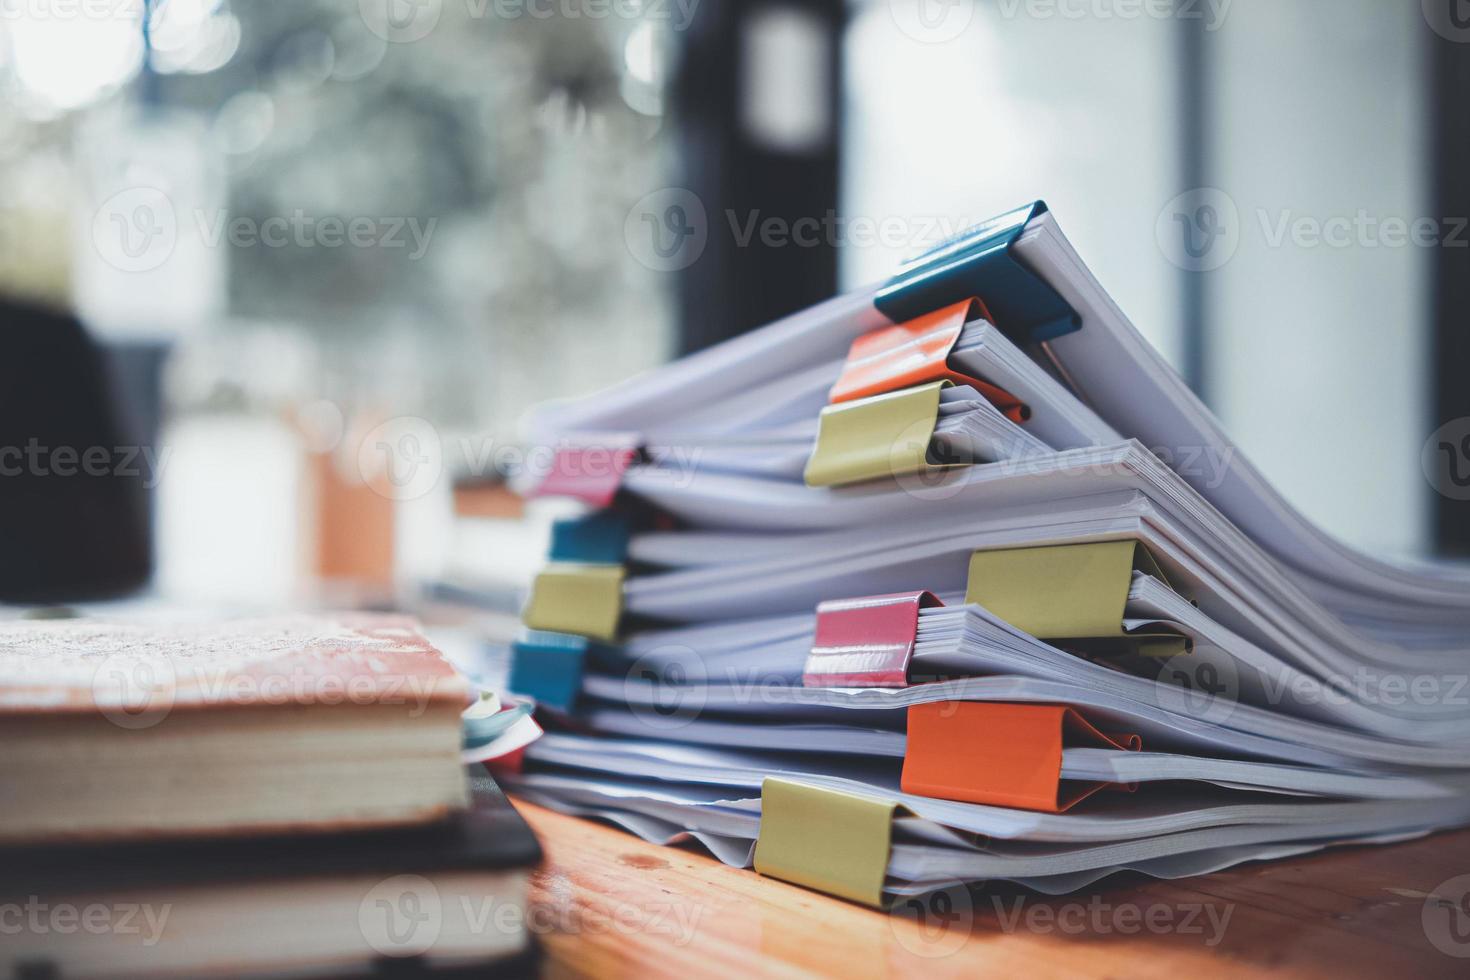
(591,474)
(866,642)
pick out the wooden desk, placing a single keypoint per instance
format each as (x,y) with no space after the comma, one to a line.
(607,904)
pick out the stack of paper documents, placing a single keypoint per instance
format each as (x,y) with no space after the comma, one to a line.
(954,579)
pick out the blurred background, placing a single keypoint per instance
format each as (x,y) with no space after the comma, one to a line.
(329,251)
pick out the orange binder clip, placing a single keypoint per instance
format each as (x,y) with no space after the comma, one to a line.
(915,353)
(1000,754)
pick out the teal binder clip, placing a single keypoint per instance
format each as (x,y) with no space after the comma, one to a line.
(598,539)
(477,733)
(548,667)
(981,262)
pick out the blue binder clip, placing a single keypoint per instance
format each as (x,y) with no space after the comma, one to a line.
(600,539)
(981,262)
(548,667)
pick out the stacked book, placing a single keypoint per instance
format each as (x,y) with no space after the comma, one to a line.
(953,579)
(186,797)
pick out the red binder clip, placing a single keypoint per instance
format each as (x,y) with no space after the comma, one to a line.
(512,763)
(592,474)
(1000,754)
(866,642)
(915,353)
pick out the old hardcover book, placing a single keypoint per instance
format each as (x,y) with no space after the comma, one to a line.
(187,727)
(449,895)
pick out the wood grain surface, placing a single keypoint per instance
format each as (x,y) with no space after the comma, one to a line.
(606,904)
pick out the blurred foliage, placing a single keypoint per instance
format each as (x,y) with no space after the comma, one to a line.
(509,140)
